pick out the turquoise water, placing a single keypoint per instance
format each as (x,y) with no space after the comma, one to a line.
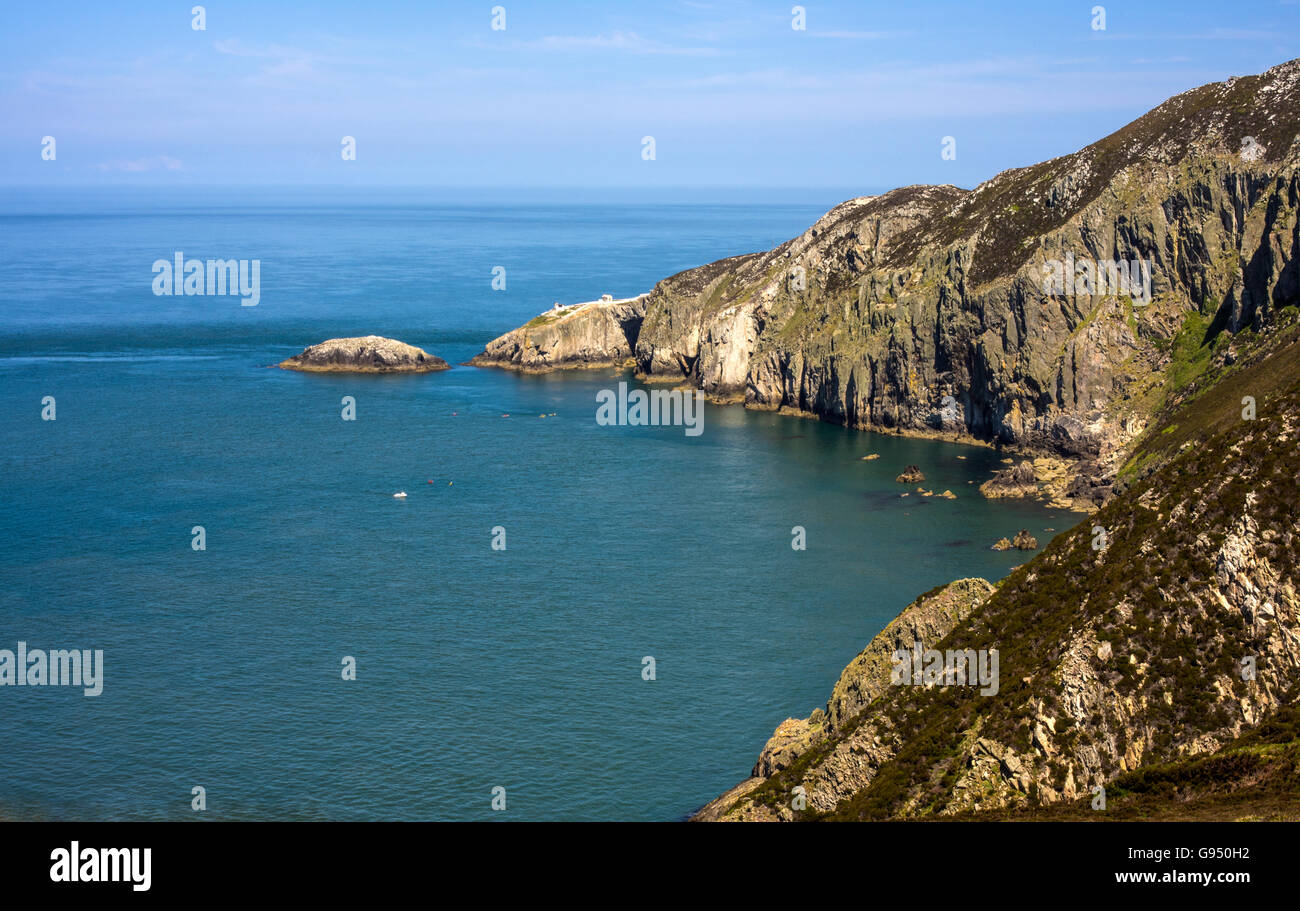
(476,668)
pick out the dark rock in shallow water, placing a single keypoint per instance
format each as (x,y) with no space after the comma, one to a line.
(1024,540)
(369,354)
(911,475)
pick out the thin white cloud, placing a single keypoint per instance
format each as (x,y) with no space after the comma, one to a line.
(236,48)
(624,42)
(1232,34)
(857,36)
(285,66)
(1214,34)
(142,165)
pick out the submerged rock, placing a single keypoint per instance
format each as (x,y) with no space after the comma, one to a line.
(368,354)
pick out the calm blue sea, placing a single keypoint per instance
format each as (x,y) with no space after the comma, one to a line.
(476,668)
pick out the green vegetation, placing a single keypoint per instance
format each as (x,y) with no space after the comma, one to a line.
(1190,353)
(1210,401)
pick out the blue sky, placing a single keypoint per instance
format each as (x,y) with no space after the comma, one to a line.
(732,94)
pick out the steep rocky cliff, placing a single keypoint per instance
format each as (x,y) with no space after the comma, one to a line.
(1163,629)
(926,309)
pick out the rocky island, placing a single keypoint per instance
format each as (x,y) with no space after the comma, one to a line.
(599,333)
(367,354)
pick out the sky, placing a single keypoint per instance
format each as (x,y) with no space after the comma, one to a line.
(733,92)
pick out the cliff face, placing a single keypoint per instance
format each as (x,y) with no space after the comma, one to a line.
(888,305)
(1162,630)
(925,309)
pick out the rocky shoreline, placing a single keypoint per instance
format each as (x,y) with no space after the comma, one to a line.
(605,334)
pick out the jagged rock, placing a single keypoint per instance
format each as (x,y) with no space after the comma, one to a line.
(1024,540)
(911,475)
(926,620)
(368,354)
(1090,486)
(1017,481)
(1002,544)
(1041,740)
(790,739)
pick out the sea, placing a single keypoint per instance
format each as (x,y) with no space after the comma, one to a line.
(560,621)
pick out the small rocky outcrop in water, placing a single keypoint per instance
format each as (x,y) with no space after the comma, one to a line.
(369,354)
(1024,540)
(911,475)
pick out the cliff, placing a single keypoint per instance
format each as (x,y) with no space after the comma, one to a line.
(1139,652)
(369,354)
(925,310)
